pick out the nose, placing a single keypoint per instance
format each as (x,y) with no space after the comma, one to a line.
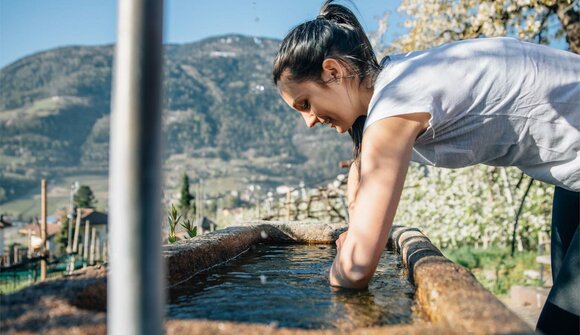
(311,120)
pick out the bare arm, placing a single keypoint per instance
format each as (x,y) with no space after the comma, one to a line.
(385,155)
(352,187)
(351,191)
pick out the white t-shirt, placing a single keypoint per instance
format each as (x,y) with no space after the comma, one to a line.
(496,101)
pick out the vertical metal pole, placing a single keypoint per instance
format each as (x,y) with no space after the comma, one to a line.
(136,277)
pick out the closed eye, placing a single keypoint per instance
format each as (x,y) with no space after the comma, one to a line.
(305,105)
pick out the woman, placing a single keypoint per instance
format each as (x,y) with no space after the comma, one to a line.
(494,101)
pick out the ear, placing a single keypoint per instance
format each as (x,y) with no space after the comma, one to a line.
(331,70)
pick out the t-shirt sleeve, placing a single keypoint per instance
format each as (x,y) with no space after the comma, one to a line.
(392,100)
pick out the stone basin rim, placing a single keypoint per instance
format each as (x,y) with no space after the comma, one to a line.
(450,296)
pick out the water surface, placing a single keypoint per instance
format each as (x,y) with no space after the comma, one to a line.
(287,285)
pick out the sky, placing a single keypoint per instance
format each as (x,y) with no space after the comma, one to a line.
(29,26)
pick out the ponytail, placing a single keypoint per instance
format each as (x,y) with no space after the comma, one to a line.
(334,33)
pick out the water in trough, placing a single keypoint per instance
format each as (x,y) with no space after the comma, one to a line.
(287,285)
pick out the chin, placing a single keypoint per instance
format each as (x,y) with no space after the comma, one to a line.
(340,130)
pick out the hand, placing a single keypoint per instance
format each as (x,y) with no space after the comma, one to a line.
(341,239)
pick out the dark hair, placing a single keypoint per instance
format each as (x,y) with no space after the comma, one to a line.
(335,33)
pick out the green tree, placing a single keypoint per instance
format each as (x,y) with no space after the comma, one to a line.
(62,237)
(185,197)
(84,198)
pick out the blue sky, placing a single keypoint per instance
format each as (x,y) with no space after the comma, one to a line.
(29,26)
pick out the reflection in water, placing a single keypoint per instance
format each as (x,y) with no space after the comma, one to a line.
(288,286)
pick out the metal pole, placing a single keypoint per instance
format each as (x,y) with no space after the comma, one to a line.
(136,301)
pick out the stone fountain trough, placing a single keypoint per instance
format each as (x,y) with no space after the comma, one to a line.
(448,299)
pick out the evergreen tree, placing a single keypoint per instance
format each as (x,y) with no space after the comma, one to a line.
(185,197)
(62,237)
(84,198)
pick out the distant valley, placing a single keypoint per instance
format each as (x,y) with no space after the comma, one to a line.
(224,122)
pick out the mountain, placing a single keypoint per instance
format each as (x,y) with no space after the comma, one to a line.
(219,104)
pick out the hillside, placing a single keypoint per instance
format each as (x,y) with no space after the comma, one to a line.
(220,111)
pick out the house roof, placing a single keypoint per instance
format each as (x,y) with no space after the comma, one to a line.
(93,216)
(90,214)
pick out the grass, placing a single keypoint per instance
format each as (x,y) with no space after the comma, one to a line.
(495,268)
(9,286)
(43,107)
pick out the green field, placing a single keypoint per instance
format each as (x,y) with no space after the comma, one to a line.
(58,196)
(218,177)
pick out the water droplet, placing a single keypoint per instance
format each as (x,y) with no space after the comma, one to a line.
(263,234)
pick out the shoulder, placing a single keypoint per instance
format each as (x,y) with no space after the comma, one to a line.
(395,131)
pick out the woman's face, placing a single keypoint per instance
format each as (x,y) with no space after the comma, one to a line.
(333,103)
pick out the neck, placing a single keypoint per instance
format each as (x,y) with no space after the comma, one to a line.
(365,95)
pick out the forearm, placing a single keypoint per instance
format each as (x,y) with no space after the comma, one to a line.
(371,222)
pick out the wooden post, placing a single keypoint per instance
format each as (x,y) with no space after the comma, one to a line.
(217,211)
(29,243)
(43,230)
(106,250)
(308,209)
(15,254)
(86,241)
(200,200)
(69,236)
(98,249)
(196,202)
(92,255)
(77,228)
